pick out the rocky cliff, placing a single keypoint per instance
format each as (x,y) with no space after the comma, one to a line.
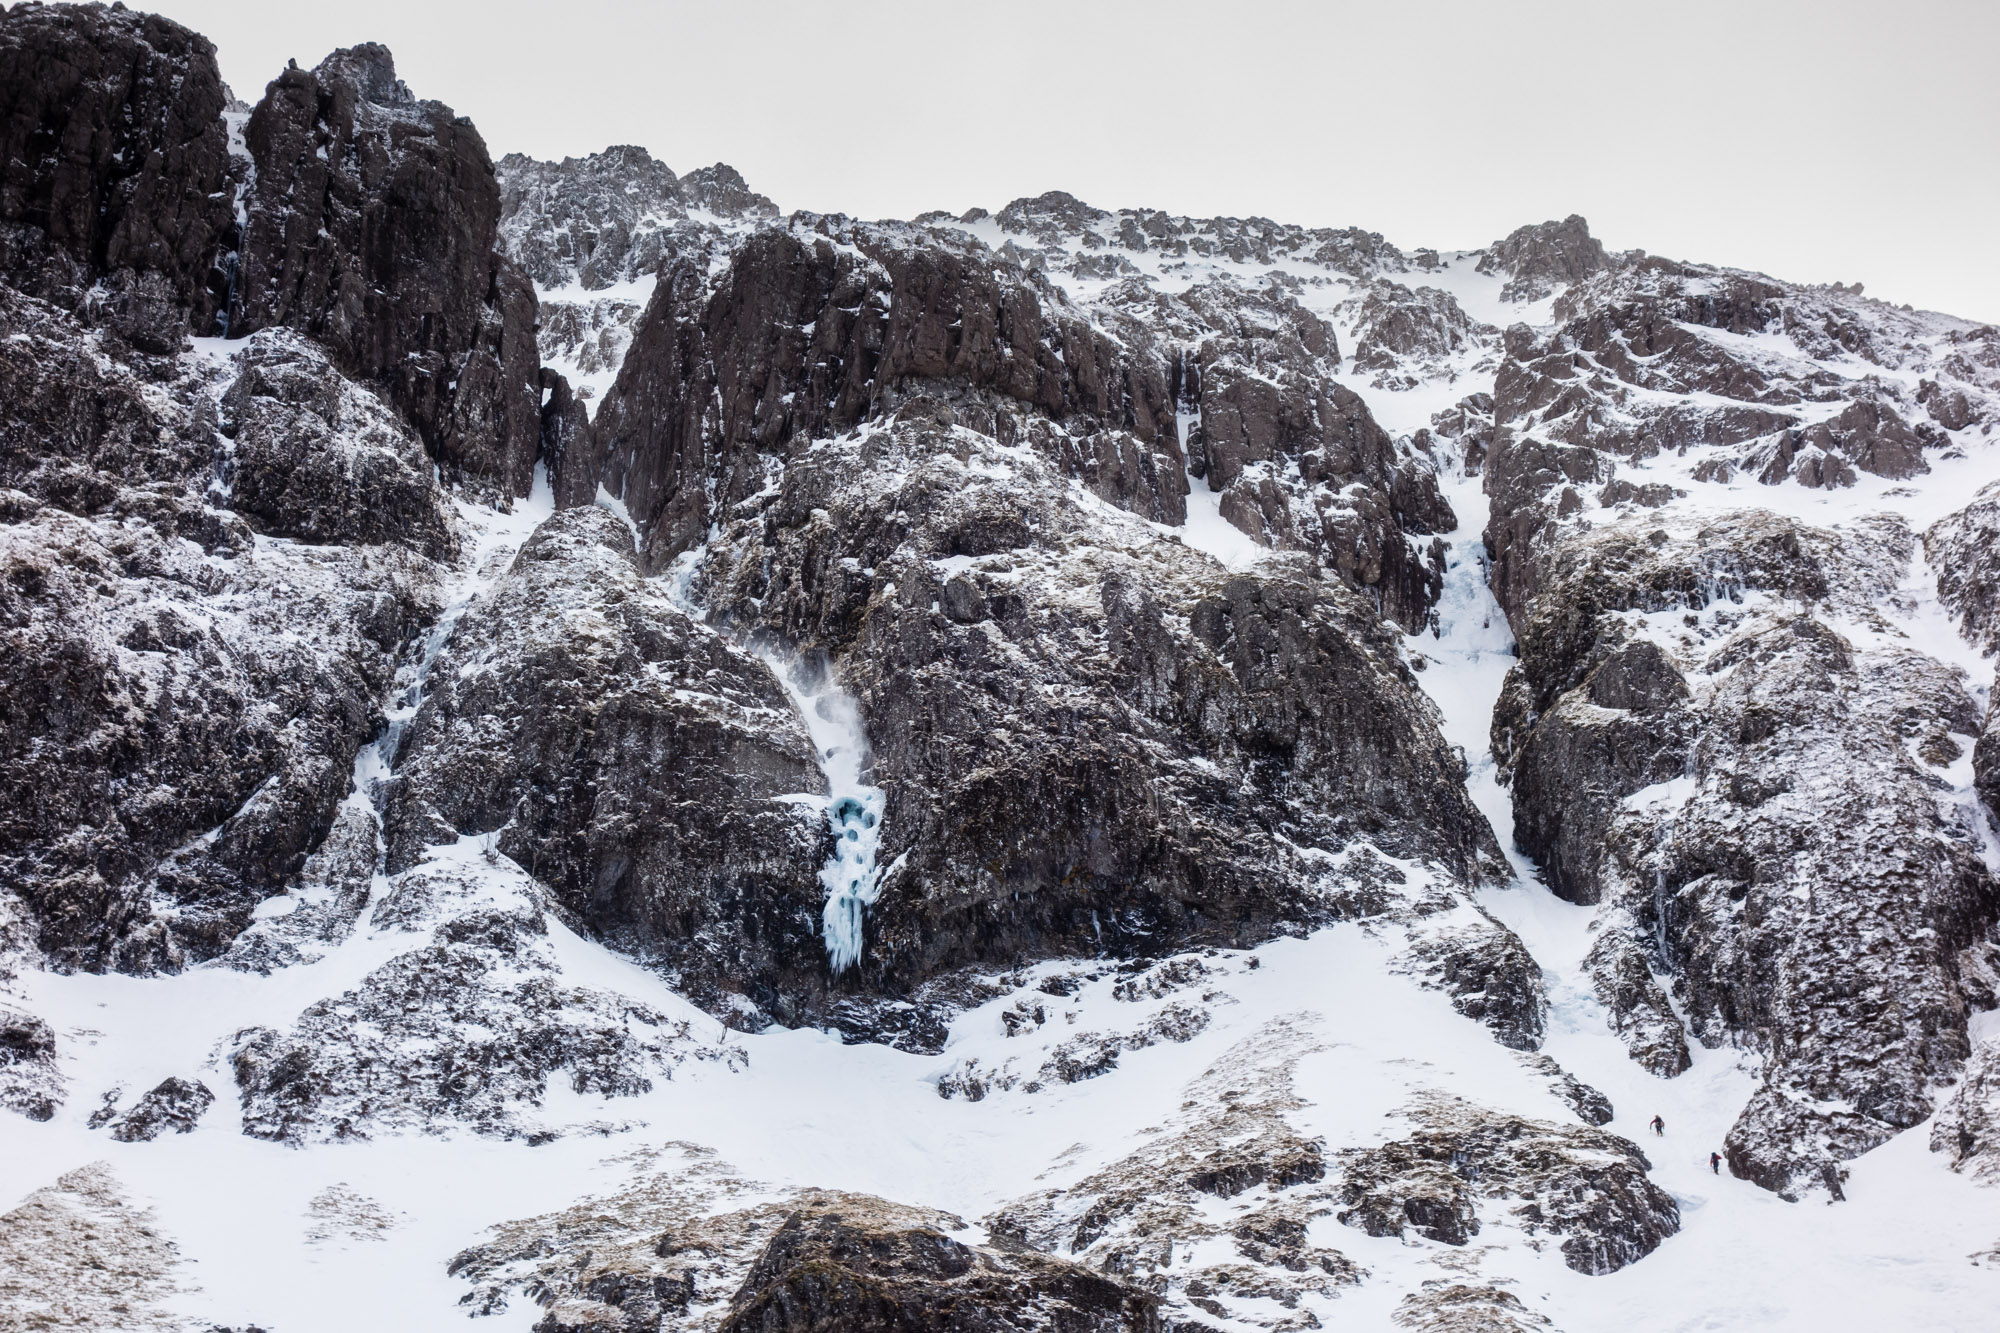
(1248,760)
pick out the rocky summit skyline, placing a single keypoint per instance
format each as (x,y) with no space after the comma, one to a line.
(585,751)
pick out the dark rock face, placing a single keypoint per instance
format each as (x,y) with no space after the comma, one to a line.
(184,705)
(174,1106)
(835,1271)
(114,167)
(656,777)
(593,233)
(372,227)
(1066,728)
(811,330)
(1738,784)
(1537,258)
(1584,1185)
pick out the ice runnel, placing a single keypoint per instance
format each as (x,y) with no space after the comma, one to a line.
(853,807)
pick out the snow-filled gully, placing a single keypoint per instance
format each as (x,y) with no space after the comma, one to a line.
(1893,1255)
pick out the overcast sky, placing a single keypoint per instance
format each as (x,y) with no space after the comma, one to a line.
(1828,141)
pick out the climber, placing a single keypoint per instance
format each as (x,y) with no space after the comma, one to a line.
(1715,1162)
(1659,1127)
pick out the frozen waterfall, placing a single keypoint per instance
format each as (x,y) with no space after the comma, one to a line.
(853,807)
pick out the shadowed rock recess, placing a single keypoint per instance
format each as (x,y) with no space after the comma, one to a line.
(533,625)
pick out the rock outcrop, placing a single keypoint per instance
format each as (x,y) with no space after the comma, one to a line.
(859,1270)
(611,217)
(174,1106)
(653,774)
(1540,258)
(1722,728)
(30,1081)
(1406,336)
(1586,1186)
(372,225)
(115,176)
(467,1029)
(681,1247)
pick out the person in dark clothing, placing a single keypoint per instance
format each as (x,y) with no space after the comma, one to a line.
(1659,1127)
(1715,1162)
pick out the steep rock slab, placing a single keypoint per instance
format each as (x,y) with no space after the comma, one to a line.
(114,167)
(373,227)
(91,434)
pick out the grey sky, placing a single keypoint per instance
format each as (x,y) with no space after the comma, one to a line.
(1816,141)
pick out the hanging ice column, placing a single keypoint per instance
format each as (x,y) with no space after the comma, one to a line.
(853,808)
